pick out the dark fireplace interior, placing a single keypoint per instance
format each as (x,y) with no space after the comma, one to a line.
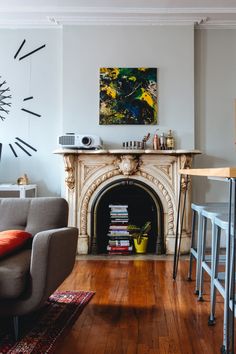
(143,205)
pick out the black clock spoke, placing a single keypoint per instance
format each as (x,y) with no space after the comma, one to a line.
(28,98)
(4,100)
(13,150)
(3,91)
(30,112)
(22,148)
(32,52)
(4,97)
(24,142)
(3,83)
(5,104)
(4,110)
(18,51)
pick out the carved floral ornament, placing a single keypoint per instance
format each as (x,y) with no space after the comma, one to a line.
(69,161)
(127,164)
(185,162)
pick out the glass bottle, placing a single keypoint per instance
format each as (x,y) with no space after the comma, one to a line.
(156,142)
(162,141)
(170,142)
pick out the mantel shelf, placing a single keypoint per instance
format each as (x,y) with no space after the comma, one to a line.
(126,151)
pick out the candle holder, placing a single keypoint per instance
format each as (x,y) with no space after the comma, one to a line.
(134,145)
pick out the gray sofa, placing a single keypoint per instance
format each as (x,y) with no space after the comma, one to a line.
(31,274)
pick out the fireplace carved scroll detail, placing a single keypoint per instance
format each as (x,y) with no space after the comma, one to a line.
(69,161)
(90,191)
(127,164)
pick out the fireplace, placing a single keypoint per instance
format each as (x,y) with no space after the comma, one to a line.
(93,179)
(143,205)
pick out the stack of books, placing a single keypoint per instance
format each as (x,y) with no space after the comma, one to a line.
(119,238)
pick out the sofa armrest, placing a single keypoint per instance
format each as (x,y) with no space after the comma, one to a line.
(53,258)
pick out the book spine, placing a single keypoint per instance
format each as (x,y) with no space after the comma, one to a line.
(118,238)
(119,243)
(118,227)
(119,248)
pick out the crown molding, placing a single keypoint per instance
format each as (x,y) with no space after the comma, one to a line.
(116,9)
(217,25)
(27,23)
(58,16)
(126,20)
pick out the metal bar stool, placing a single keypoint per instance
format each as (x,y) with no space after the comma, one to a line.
(197,244)
(224,281)
(206,261)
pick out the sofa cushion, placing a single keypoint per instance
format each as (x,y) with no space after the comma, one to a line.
(14,274)
(33,214)
(12,240)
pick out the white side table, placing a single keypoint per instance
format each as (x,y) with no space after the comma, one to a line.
(21,188)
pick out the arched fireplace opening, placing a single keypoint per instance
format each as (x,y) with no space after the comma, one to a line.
(143,205)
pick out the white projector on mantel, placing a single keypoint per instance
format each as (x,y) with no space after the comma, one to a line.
(80,141)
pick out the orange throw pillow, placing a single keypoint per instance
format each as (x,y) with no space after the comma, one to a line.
(11,240)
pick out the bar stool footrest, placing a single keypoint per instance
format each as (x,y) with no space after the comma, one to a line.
(211,321)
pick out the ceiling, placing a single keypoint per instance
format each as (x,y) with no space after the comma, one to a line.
(53,13)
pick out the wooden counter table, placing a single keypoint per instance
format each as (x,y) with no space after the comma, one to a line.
(225,174)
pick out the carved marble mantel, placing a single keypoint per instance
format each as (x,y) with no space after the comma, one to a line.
(88,172)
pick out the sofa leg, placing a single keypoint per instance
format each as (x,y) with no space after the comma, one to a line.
(16,327)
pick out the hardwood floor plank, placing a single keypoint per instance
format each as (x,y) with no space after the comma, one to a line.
(139,309)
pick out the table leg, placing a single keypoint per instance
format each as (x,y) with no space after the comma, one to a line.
(180,216)
(22,192)
(234,266)
(227,330)
(232,278)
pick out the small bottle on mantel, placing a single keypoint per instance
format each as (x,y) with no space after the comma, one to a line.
(156,142)
(162,142)
(170,141)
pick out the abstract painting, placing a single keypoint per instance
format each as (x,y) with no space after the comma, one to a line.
(128,96)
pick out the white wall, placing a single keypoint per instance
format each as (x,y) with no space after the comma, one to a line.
(64,80)
(215,131)
(39,76)
(170,49)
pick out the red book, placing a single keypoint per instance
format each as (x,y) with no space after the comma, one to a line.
(119,248)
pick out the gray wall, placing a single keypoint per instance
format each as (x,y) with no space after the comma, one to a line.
(170,49)
(215,84)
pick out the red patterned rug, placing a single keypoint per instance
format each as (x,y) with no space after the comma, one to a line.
(40,331)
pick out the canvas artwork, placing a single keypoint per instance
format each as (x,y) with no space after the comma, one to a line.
(128,96)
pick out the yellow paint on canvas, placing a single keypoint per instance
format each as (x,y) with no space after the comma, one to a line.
(109,91)
(146,97)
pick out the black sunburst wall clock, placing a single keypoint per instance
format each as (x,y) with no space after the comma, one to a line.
(19,143)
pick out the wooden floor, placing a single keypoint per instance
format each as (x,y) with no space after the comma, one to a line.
(139,309)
